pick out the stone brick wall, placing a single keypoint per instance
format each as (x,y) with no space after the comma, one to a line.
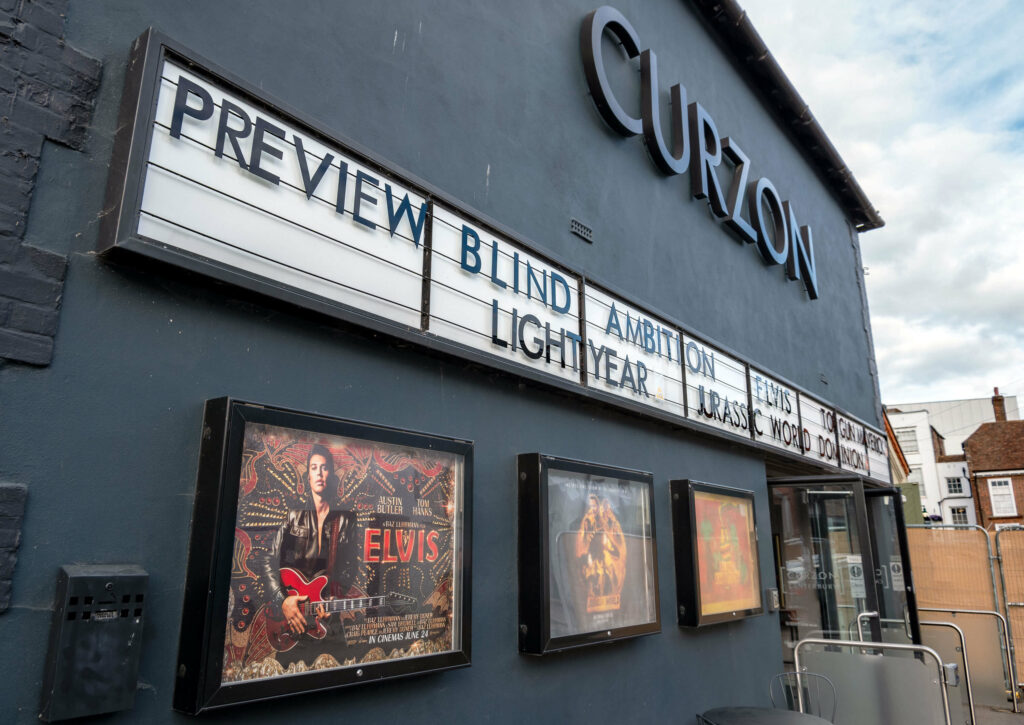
(47,90)
(12,510)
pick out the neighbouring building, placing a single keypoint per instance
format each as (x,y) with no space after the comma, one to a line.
(921,446)
(931,436)
(957,503)
(955,420)
(910,490)
(995,463)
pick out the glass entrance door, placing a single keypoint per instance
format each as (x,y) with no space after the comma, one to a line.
(841,562)
(897,605)
(823,562)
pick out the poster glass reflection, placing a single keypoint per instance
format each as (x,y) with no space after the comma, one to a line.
(718,575)
(339,555)
(588,556)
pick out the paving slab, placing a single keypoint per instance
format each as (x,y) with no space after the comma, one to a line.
(991,716)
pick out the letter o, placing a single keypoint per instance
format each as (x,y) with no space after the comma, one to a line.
(692,346)
(773,250)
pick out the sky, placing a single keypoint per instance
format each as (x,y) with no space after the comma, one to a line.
(925,102)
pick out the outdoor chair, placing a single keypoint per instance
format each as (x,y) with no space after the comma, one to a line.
(819,693)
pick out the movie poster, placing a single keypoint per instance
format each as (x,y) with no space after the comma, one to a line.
(344,554)
(726,553)
(602,553)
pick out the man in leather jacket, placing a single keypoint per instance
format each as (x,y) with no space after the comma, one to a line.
(312,541)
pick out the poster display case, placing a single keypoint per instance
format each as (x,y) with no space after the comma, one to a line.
(718,572)
(588,569)
(324,553)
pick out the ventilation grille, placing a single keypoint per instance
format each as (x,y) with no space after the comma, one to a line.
(581,230)
(88,607)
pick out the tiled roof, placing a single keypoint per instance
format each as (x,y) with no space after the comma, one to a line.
(996,446)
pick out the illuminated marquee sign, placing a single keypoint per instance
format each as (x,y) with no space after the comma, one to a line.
(494,295)
(853,452)
(818,433)
(632,354)
(716,388)
(210,175)
(774,415)
(878,455)
(231,183)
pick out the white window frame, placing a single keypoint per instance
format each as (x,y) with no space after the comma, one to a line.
(954,481)
(910,436)
(1012,503)
(958,512)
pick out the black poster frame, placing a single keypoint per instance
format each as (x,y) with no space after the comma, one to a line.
(687,563)
(535,556)
(198,685)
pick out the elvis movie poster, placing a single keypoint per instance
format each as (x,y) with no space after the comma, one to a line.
(602,568)
(346,552)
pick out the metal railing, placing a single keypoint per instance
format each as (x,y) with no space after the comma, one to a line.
(860,623)
(905,623)
(1011,666)
(862,646)
(967,667)
(1007,604)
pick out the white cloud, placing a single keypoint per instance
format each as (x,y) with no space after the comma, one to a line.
(925,101)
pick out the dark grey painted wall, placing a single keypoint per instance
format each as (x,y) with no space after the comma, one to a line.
(106,438)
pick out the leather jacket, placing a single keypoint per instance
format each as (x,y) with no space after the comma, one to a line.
(295,546)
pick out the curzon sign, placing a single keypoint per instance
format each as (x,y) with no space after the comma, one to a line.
(696,146)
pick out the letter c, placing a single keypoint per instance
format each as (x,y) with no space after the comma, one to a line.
(591,32)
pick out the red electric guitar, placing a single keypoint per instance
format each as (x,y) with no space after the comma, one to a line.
(280,634)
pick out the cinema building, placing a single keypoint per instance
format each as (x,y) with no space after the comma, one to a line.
(414,363)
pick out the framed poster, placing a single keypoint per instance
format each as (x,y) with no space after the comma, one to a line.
(324,553)
(588,557)
(718,571)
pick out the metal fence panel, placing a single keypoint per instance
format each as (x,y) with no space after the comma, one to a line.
(1010,550)
(953,567)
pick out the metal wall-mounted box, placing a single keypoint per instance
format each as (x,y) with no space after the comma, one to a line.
(92,664)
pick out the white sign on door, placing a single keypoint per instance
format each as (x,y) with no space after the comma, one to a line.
(856,569)
(896,572)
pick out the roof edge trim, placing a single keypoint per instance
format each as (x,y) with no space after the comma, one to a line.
(731,24)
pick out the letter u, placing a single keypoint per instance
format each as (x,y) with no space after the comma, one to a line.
(677,160)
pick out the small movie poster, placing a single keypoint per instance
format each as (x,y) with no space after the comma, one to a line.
(345,553)
(726,553)
(602,574)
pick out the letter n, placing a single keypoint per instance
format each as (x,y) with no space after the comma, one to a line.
(800,263)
